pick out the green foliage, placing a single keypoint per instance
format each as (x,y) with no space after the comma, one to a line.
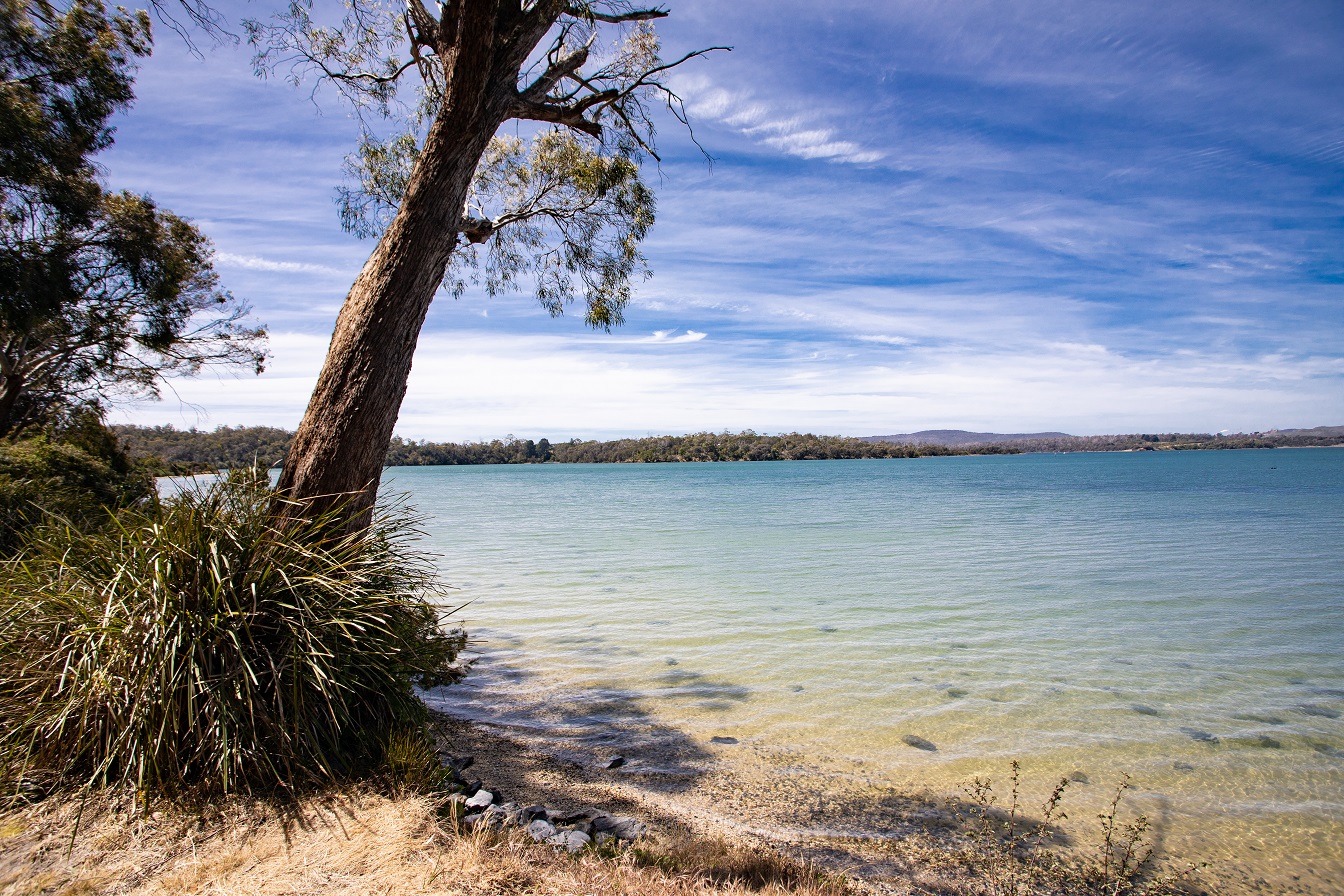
(192,450)
(78,477)
(197,647)
(563,210)
(99,292)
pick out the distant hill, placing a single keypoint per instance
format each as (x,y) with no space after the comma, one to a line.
(957,437)
(1324,431)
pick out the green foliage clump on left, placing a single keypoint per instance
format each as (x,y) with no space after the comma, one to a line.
(76,477)
(196,647)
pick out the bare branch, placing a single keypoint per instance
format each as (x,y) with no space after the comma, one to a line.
(587,13)
(555,114)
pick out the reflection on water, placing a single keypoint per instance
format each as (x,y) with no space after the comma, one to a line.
(1177,617)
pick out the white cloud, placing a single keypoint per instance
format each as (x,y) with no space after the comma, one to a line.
(257,263)
(478,385)
(739,110)
(666,337)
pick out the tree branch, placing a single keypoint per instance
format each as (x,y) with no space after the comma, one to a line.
(615,18)
(569,116)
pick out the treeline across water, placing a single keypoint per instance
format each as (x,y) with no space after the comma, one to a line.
(188,450)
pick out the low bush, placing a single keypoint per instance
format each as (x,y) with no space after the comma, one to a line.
(194,646)
(74,476)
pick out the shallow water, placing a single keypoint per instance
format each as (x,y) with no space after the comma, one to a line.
(1175,616)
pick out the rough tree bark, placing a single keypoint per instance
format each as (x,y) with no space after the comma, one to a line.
(341,443)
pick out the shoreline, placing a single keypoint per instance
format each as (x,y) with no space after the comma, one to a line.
(883,839)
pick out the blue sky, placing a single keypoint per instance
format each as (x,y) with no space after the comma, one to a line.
(1008,216)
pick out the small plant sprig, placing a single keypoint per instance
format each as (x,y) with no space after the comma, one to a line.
(1008,853)
(1008,845)
(1124,866)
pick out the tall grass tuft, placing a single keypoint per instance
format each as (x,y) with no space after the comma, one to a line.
(198,648)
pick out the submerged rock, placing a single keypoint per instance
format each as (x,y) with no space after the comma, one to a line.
(1144,709)
(1079,778)
(919,743)
(1183,766)
(1200,735)
(1316,709)
(1263,720)
(1268,742)
(957,692)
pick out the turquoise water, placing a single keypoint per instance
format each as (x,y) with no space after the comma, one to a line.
(1175,616)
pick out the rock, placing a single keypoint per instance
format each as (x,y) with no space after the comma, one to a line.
(1079,778)
(1200,735)
(919,743)
(616,762)
(536,811)
(603,837)
(957,692)
(1144,709)
(471,787)
(1256,717)
(458,764)
(480,800)
(539,830)
(570,841)
(720,739)
(627,828)
(572,818)
(493,818)
(512,814)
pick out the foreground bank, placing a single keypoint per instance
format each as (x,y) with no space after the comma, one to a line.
(362,839)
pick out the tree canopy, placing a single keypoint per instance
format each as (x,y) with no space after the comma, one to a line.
(559,204)
(101,293)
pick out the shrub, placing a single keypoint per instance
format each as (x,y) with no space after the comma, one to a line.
(197,647)
(74,476)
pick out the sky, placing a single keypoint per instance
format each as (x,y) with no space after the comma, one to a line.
(1091,217)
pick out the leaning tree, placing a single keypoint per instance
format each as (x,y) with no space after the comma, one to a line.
(453,200)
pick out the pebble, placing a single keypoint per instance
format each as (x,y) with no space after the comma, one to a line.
(919,743)
(720,739)
(616,762)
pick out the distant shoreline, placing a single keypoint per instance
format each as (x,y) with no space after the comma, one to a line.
(170,451)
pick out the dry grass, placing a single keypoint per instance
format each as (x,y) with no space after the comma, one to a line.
(353,842)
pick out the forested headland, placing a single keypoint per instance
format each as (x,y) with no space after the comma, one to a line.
(185,450)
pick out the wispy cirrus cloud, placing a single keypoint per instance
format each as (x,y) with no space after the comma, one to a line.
(795,135)
(257,263)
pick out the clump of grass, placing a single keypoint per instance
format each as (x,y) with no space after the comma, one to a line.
(1010,855)
(719,862)
(196,646)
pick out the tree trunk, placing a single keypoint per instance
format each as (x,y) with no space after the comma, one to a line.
(340,445)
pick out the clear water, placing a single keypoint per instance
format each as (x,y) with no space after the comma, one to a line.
(1175,616)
